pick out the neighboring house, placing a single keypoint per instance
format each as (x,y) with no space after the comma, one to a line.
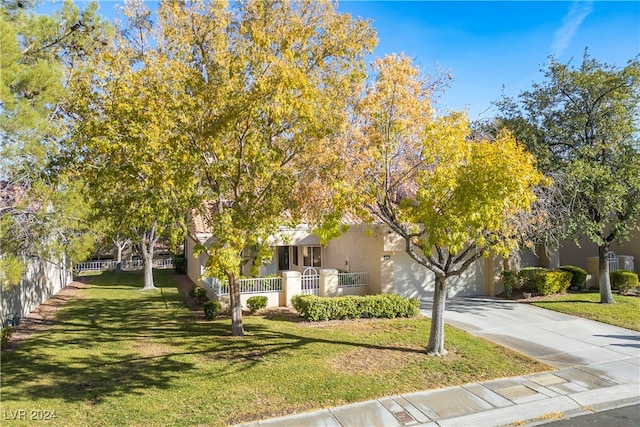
(364,248)
(625,256)
(579,255)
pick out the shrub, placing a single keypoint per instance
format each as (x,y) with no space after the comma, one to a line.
(390,306)
(256,303)
(527,278)
(199,293)
(180,264)
(510,280)
(553,282)
(5,335)
(211,309)
(579,279)
(623,280)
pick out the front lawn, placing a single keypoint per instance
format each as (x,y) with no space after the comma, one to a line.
(122,356)
(625,313)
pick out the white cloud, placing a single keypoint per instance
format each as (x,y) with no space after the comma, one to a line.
(570,24)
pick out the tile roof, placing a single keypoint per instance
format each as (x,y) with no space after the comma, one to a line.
(201,218)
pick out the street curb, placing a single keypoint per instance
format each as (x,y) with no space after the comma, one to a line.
(585,410)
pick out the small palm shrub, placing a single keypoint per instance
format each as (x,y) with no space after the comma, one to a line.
(199,293)
(527,278)
(211,309)
(5,335)
(256,303)
(510,280)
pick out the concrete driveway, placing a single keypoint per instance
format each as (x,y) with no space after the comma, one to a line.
(554,338)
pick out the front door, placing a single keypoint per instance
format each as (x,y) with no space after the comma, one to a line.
(283,258)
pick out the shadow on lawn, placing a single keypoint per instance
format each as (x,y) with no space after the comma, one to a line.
(88,378)
(92,363)
(99,357)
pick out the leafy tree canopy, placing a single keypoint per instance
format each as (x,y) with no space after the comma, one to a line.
(582,125)
(452,198)
(43,210)
(125,138)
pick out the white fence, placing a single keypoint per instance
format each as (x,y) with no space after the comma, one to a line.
(309,283)
(108,264)
(348,280)
(101,265)
(247,286)
(280,290)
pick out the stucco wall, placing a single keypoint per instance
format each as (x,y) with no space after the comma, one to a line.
(529,258)
(358,250)
(274,299)
(571,254)
(41,280)
(195,263)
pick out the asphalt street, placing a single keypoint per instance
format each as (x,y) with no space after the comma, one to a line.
(627,416)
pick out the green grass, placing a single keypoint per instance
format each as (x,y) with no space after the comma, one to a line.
(122,356)
(89,273)
(625,313)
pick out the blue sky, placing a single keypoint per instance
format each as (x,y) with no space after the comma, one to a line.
(491,45)
(488,45)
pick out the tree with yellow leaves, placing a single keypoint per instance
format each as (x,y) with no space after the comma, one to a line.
(259,91)
(235,106)
(452,198)
(124,133)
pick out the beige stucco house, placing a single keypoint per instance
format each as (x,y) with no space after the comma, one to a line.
(584,254)
(625,256)
(364,248)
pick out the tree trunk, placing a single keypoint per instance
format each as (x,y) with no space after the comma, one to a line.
(147,260)
(148,272)
(436,337)
(237,330)
(119,259)
(606,297)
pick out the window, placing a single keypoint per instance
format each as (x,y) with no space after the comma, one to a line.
(311,256)
(295,255)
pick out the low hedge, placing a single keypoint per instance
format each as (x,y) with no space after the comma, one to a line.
(527,277)
(623,280)
(390,306)
(552,282)
(579,279)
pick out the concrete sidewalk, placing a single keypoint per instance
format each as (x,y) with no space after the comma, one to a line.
(598,368)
